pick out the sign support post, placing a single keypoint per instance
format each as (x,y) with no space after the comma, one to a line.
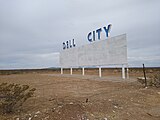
(71,71)
(123,71)
(83,71)
(61,71)
(127,72)
(100,71)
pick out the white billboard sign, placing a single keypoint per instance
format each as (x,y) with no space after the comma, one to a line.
(112,51)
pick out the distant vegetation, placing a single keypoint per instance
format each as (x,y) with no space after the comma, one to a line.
(23,71)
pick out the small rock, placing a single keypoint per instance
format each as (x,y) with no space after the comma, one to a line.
(51,99)
(17,118)
(115,107)
(86,100)
(60,106)
(109,100)
(46,118)
(18,111)
(92,115)
(46,110)
(71,103)
(53,109)
(30,118)
(104,119)
(158,93)
(38,112)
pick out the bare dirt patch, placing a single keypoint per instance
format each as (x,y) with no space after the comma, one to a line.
(75,98)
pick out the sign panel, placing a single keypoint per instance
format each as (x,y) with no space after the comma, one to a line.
(112,51)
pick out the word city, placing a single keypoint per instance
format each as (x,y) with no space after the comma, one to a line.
(92,35)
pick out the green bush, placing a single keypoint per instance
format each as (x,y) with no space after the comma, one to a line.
(12,96)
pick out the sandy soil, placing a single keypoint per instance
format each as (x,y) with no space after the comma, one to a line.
(62,97)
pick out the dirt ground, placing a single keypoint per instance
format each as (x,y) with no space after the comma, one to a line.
(62,97)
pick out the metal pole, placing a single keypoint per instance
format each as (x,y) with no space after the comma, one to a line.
(144,75)
(100,71)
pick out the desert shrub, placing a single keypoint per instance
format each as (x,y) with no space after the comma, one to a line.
(156,80)
(152,80)
(12,96)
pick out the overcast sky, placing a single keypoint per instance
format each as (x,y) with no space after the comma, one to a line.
(32,31)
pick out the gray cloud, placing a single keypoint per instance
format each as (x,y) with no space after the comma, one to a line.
(30,60)
(34,30)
